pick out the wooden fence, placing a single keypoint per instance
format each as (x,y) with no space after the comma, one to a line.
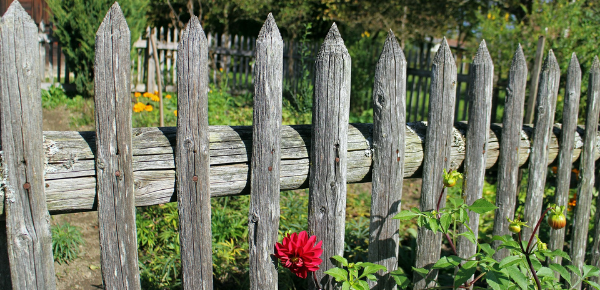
(117,168)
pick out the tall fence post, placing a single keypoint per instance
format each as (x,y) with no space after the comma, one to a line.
(480,106)
(508,163)
(538,158)
(389,128)
(439,138)
(114,170)
(535,78)
(192,158)
(328,150)
(581,219)
(565,153)
(263,218)
(28,236)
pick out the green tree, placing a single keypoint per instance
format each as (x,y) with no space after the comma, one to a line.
(76,23)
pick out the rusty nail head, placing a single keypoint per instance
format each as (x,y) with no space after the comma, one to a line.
(398,159)
(337,159)
(26,185)
(195,178)
(118,173)
(270,168)
(47,185)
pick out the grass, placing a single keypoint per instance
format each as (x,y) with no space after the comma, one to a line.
(66,240)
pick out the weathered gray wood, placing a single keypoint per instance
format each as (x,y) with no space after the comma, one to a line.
(114,184)
(535,77)
(581,218)
(329,150)
(263,218)
(389,128)
(437,155)
(596,245)
(27,220)
(508,163)
(70,172)
(544,119)
(565,155)
(480,109)
(192,158)
(159,77)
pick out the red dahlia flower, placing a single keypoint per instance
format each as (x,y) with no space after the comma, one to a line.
(299,253)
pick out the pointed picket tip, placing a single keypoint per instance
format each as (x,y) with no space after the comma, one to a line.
(595,65)
(269,28)
(391,48)
(444,54)
(114,19)
(574,64)
(333,42)
(551,63)
(16,10)
(482,55)
(518,61)
(194,24)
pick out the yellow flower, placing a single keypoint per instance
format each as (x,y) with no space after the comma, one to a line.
(489,15)
(148,108)
(138,107)
(146,95)
(156,92)
(155,98)
(137,94)
(367,34)
(221,69)
(168,96)
(175,112)
(506,17)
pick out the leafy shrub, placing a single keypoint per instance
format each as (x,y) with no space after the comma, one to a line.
(76,23)
(66,240)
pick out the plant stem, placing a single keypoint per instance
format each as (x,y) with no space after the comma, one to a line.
(535,230)
(316,282)
(537,280)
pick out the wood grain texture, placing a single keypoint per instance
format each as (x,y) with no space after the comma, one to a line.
(192,159)
(565,155)
(28,236)
(389,128)
(114,169)
(595,261)
(581,218)
(329,151)
(437,156)
(535,78)
(544,119)
(265,185)
(480,107)
(71,181)
(508,162)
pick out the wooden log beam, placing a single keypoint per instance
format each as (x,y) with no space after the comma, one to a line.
(71,183)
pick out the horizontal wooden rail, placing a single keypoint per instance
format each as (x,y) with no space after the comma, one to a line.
(71,183)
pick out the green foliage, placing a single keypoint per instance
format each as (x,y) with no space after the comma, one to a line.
(353,276)
(76,23)
(81,109)
(66,240)
(298,103)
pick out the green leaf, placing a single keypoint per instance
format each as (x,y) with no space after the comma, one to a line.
(545,272)
(465,272)
(422,272)
(433,224)
(400,278)
(371,277)
(353,272)
(339,274)
(405,215)
(593,284)
(562,271)
(447,262)
(574,270)
(482,206)
(516,275)
(341,259)
(590,271)
(363,284)
(445,221)
(371,268)
(346,286)
(456,201)
(487,249)
(509,261)
(497,280)
(469,235)
(559,253)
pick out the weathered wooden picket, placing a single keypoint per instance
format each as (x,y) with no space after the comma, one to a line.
(118,168)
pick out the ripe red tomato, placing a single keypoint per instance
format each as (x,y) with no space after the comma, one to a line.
(557,220)
(514,227)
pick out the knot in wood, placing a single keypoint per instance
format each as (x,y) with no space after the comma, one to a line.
(322,210)
(254,218)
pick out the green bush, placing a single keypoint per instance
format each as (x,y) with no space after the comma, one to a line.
(76,23)
(66,240)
